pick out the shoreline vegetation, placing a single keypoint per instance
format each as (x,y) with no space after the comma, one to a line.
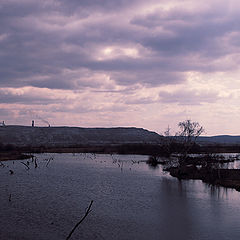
(128,148)
(205,167)
(12,152)
(229,178)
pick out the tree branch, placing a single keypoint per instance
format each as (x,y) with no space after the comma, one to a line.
(86,213)
(25,165)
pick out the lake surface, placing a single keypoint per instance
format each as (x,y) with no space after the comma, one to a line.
(131,201)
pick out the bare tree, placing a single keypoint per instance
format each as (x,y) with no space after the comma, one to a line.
(190,131)
(188,134)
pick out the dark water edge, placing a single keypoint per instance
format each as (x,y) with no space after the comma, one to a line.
(131,201)
(14,155)
(229,178)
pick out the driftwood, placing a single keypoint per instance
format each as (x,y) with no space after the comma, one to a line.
(86,213)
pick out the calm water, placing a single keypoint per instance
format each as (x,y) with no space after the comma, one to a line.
(131,201)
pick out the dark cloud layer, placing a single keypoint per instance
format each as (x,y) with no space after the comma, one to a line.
(39,39)
(189,32)
(109,55)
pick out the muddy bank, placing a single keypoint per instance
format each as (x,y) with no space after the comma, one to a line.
(223,177)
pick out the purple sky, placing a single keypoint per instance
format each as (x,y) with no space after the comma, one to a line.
(105,63)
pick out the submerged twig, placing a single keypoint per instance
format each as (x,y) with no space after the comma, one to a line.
(35,162)
(25,165)
(51,158)
(86,213)
(1,164)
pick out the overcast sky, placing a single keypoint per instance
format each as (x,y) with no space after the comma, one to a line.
(105,63)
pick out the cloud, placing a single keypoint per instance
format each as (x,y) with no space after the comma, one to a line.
(188,97)
(148,78)
(26,97)
(188,32)
(5,112)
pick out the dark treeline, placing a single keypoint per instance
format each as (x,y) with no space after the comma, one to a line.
(138,148)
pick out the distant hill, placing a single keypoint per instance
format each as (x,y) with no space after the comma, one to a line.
(72,136)
(23,136)
(221,139)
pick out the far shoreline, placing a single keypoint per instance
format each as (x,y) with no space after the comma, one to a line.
(14,152)
(22,154)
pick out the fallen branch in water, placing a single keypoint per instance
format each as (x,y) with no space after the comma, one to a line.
(25,165)
(35,162)
(86,213)
(48,161)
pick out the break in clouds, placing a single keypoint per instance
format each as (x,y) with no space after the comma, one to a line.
(120,63)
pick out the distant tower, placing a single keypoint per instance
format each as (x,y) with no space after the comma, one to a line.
(32,123)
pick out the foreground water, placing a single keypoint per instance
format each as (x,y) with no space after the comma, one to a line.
(131,201)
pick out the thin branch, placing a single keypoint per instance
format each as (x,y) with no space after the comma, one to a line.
(26,165)
(86,213)
(51,158)
(35,162)
(10,197)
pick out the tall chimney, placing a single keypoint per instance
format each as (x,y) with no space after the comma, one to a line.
(32,123)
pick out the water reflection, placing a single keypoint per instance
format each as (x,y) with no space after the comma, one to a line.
(193,214)
(217,191)
(175,212)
